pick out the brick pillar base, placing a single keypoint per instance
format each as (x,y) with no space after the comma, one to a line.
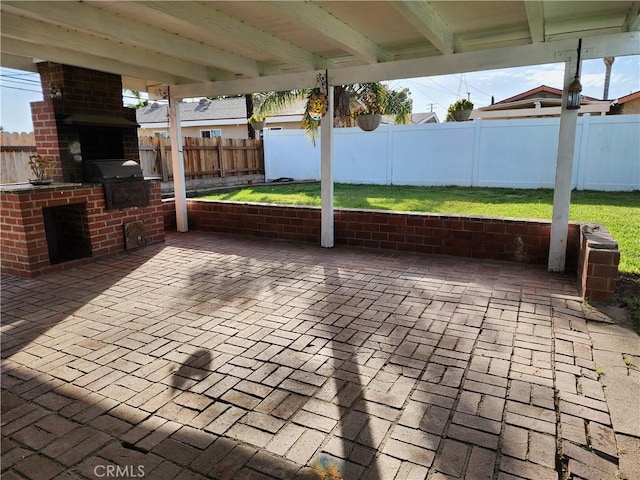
(597,263)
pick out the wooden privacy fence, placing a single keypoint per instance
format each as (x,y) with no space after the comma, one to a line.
(15,149)
(203,157)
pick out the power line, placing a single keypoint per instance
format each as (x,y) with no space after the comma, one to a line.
(475,88)
(22,89)
(26,77)
(442,87)
(4,79)
(463,79)
(18,82)
(423,89)
(40,91)
(13,71)
(19,75)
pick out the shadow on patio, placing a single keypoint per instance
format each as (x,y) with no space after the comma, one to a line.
(227,357)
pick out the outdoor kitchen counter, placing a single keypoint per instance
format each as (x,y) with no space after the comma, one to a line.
(45,228)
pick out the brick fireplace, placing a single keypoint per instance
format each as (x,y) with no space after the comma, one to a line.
(80,120)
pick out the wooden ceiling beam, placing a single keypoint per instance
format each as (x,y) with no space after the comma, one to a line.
(486,40)
(34,53)
(506,57)
(535,17)
(46,34)
(334,29)
(632,20)
(203,16)
(586,26)
(89,19)
(424,17)
(18,62)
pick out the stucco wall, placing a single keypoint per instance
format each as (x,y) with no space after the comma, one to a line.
(631,107)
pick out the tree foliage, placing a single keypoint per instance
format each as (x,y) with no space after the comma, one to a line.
(140,102)
(349,101)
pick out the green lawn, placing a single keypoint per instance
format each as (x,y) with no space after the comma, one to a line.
(618,211)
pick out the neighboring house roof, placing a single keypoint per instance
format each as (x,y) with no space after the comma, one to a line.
(542,101)
(233,110)
(628,104)
(416,118)
(200,110)
(424,117)
(543,91)
(153,113)
(627,98)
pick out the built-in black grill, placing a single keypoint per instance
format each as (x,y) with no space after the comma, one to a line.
(123,182)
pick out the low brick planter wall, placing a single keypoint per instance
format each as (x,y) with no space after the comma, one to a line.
(591,251)
(517,240)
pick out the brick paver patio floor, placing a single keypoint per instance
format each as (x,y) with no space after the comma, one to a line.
(226,357)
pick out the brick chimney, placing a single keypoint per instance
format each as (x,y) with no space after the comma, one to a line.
(95,98)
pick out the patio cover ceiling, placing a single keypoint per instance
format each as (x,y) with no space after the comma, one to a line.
(209,48)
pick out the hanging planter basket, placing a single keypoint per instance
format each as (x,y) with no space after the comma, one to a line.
(369,122)
(461,115)
(258,125)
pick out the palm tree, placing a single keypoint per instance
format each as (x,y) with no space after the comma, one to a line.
(608,62)
(140,102)
(399,104)
(348,99)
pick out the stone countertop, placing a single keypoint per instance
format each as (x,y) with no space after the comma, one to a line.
(28,188)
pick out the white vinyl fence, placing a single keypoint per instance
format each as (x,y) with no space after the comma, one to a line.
(492,153)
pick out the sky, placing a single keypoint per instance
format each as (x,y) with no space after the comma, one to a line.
(18,88)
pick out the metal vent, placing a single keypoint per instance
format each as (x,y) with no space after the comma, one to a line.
(134,235)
